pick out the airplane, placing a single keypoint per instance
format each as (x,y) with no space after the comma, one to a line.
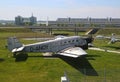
(112,39)
(72,46)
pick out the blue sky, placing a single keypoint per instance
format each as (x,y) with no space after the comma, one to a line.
(59,8)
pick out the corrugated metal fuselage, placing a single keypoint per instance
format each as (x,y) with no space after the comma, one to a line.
(56,45)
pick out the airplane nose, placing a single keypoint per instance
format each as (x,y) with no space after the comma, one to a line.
(89,40)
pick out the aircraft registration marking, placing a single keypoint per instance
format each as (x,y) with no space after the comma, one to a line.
(38,48)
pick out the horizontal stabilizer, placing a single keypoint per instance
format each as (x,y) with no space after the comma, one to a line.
(73,52)
(17,49)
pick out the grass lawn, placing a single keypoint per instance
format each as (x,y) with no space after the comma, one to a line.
(95,67)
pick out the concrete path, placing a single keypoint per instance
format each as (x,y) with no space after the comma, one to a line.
(105,50)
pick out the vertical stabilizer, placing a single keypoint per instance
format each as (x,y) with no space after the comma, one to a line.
(13,43)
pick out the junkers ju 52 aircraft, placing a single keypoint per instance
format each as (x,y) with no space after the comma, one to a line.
(72,46)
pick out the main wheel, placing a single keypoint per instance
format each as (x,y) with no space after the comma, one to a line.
(21,57)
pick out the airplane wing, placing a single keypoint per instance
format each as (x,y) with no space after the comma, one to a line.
(118,40)
(73,52)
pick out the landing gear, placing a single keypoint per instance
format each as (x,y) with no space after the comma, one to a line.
(20,56)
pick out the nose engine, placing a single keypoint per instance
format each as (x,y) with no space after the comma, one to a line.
(83,44)
(89,39)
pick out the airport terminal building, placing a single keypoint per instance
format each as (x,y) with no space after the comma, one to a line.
(86,22)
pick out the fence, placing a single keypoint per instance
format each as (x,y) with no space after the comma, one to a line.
(88,75)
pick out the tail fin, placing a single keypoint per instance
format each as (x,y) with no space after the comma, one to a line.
(13,43)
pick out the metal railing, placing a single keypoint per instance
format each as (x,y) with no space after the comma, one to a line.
(87,75)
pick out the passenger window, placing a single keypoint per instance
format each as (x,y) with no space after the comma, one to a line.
(69,41)
(76,40)
(65,42)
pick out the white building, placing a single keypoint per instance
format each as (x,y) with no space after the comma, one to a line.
(86,22)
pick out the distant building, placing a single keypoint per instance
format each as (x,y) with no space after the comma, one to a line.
(86,22)
(19,20)
(7,22)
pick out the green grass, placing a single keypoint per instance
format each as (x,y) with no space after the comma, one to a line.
(70,33)
(104,44)
(109,31)
(24,35)
(14,30)
(20,33)
(38,69)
